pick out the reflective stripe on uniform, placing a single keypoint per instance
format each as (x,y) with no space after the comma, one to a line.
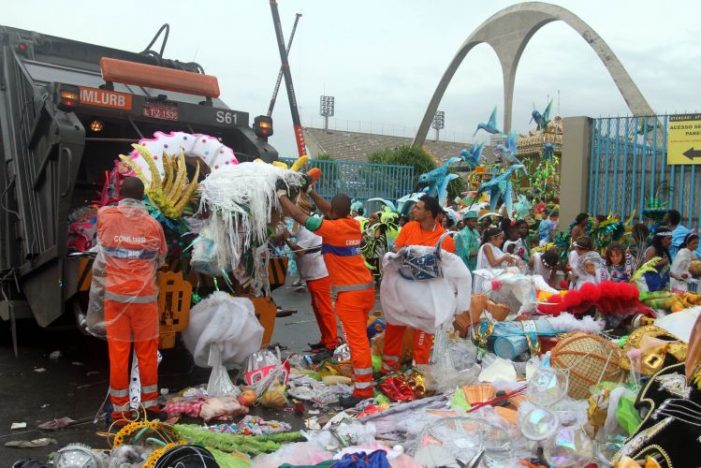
(130,254)
(149,389)
(362,385)
(352,287)
(390,358)
(110,296)
(366,371)
(119,393)
(345,251)
(149,403)
(119,408)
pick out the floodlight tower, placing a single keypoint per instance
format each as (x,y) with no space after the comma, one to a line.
(326,109)
(438,122)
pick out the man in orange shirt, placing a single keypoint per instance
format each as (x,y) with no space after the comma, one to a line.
(423,230)
(131,247)
(350,279)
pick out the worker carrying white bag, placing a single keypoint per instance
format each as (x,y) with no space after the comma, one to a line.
(424,287)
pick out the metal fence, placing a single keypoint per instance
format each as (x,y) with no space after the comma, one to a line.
(628,167)
(360,180)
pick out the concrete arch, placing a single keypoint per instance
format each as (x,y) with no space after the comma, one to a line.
(522,21)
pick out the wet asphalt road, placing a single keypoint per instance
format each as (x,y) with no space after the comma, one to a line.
(35,388)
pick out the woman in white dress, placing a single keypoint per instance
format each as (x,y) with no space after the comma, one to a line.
(546,265)
(581,246)
(490,256)
(679,273)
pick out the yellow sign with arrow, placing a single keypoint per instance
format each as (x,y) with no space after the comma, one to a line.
(684,139)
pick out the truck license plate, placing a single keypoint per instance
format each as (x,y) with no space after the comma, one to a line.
(161,110)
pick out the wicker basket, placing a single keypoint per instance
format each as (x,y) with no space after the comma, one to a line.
(590,359)
(478,302)
(499,311)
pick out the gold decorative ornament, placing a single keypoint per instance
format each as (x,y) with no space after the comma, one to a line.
(171,194)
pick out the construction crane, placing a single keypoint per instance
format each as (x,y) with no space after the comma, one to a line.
(276,89)
(287,75)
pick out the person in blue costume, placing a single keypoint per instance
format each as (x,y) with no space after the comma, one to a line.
(673,221)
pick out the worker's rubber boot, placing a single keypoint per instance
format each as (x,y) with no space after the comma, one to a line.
(323,355)
(349,401)
(316,346)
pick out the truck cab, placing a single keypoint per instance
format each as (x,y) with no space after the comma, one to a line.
(67,110)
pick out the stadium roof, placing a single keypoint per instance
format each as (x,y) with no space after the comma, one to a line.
(355,146)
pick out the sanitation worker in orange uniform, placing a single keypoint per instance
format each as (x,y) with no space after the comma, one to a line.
(351,281)
(423,230)
(131,247)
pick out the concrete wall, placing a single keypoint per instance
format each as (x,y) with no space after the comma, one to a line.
(574,168)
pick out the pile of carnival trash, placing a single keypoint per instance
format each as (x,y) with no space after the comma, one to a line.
(525,377)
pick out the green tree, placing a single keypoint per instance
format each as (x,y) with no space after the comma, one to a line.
(324,157)
(407,156)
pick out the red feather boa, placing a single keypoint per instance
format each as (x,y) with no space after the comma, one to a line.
(608,297)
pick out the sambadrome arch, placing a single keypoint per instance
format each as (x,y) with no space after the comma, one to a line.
(508,33)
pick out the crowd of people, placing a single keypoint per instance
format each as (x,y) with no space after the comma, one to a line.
(488,243)
(493,243)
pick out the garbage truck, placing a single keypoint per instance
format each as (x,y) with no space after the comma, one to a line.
(67,109)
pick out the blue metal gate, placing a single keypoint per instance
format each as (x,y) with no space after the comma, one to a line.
(360,180)
(628,167)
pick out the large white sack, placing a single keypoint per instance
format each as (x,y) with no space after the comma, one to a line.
(425,304)
(227,321)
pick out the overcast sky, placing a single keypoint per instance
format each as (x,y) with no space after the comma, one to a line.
(383,59)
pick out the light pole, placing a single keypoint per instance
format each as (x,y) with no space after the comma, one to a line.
(438,122)
(326,108)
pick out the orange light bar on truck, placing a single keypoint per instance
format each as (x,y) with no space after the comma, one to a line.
(151,76)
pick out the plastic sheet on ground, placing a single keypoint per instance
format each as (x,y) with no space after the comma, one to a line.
(301,453)
(442,374)
(307,389)
(462,440)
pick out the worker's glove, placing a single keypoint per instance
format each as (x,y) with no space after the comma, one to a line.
(281,188)
(307,182)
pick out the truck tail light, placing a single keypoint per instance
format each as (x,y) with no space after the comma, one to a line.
(68,97)
(263,126)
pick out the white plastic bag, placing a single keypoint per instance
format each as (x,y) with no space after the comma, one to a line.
(227,321)
(429,303)
(219,382)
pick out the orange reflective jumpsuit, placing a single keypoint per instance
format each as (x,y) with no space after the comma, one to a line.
(320,291)
(412,234)
(352,282)
(132,244)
